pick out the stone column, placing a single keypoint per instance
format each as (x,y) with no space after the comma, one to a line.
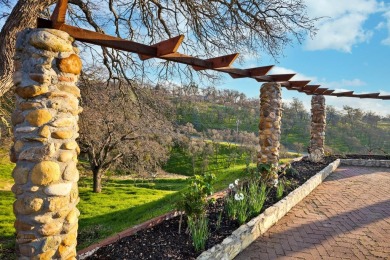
(317,132)
(45,150)
(270,119)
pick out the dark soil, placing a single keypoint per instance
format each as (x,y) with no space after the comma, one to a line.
(164,242)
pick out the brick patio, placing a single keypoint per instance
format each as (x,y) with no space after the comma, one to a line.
(346,217)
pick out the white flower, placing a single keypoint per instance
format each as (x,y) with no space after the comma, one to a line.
(231,186)
(276,183)
(239,196)
(236,181)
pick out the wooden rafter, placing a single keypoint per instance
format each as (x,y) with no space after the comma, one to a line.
(368,95)
(343,94)
(169,46)
(219,62)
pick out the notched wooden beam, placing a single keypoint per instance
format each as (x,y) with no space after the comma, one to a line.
(369,95)
(274,78)
(309,88)
(59,13)
(319,91)
(166,47)
(296,84)
(219,62)
(253,72)
(343,94)
(328,92)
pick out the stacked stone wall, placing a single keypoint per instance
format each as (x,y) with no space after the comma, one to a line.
(45,148)
(270,122)
(317,132)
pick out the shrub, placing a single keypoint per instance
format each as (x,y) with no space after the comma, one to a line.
(194,203)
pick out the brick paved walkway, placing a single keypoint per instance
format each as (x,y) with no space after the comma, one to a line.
(346,217)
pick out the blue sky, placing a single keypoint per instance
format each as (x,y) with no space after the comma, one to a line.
(351,51)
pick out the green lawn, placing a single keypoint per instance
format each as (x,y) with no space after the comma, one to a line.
(7,217)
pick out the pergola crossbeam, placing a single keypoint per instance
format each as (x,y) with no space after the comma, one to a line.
(253,72)
(274,78)
(295,85)
(167,50)
(343,94)
(219,62)
(169,46)
(369,95)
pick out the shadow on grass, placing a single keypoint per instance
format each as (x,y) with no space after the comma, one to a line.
(93,229)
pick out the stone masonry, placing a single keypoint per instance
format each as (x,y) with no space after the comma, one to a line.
(44,149)
(318,124)
(270,120)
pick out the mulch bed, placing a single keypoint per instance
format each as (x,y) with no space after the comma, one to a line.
(164,242)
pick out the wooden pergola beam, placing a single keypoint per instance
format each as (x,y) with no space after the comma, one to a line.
(59,13)
(319,91)
(343,94)
(274,78)
(169,46)
(296,85)
(369,95)
(328,92)
(167,50)
(253,72)
(309,88)
(219,62)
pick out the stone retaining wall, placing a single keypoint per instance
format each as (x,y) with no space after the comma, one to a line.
(247,233)
(44,149)
(366,163)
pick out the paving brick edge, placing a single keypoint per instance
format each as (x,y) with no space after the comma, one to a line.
(249,232)
(366,163)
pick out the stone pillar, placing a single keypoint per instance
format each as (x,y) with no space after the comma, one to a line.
(270,120)
(45,150)
(317,132)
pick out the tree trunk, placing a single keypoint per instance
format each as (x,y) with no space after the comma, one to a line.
(24,14)
(97,180)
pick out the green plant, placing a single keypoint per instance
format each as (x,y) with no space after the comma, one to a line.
(194,203)
(268,172)
(194,198)
(237,203)
(256,196)
(199,231)
(280,190)
(219,220)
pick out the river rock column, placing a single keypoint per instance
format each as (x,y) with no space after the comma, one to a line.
(45,150)
(270,120)
(317,132)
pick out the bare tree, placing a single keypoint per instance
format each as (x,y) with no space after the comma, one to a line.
(210,26)
(116,128)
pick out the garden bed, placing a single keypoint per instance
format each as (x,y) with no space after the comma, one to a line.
(163,241)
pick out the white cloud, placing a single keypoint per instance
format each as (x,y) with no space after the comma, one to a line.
(342,24)
(386,15)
